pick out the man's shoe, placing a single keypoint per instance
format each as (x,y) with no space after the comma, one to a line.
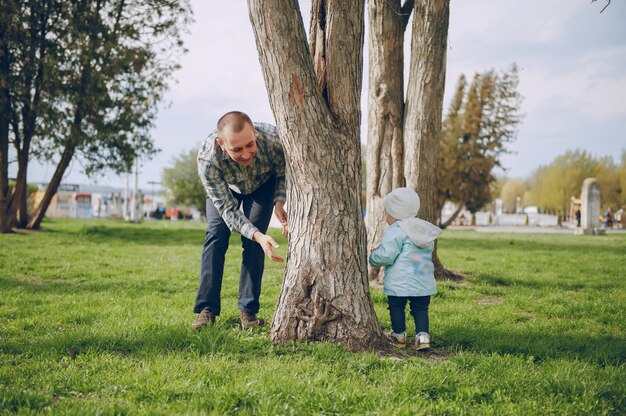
(397,340)
(206,317)
(249,319)
(422,341)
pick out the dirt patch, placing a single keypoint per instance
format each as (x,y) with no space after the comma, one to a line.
(434,356)
(488,300)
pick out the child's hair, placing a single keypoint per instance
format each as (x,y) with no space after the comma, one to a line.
(402,203)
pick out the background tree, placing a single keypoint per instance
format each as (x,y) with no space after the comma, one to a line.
(181,182)
(125,54)
(101,69)
(512,189)
(6,27)
(480,122)
(314,92)
(553,185)
(29,30)
(403,136)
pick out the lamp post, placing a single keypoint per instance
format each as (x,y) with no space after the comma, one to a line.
(153,202)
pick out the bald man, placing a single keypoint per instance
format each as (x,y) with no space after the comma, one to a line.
(241,164)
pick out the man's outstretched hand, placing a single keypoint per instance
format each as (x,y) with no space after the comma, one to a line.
(281,214)
(267,243)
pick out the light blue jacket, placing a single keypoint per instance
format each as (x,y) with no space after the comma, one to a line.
(406,252)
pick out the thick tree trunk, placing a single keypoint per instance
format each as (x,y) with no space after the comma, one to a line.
(441,272)
(424,107)
(385,170)
(325,294)
(422,123)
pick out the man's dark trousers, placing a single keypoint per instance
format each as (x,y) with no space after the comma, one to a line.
(257,207)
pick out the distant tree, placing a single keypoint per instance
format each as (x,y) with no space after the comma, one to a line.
(181,181)
(124,55)
(85,78)
(553,185)
(480,122)
(28,31)
(511,190)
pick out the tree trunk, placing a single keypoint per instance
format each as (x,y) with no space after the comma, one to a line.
(18,202)
(424,107)
(325,294)
(452,218)
(422,124)
(5,117)
(385,170)
(53,185)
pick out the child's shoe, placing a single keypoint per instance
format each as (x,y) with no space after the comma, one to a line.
(397,340)
(422,341)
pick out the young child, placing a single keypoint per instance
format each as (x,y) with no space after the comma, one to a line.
(406,251)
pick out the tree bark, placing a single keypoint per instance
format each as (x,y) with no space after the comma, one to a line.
(385,170)
(66,157)
(5,119)
(17,210)
(424,106)
(325,294)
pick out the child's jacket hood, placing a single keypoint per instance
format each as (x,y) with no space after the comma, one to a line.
(420,232)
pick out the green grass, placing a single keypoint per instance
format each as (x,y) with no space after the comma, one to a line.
(95,319)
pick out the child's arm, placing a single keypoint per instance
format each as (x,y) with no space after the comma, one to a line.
(388,250)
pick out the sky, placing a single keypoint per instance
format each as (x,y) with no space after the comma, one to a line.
(571,59)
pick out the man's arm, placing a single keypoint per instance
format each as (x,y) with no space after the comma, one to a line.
(217,189)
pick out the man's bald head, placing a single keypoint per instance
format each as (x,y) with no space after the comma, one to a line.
(232,122)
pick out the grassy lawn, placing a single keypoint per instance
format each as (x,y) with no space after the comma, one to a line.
(95,319)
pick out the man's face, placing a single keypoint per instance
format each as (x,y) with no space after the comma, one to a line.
(241,147)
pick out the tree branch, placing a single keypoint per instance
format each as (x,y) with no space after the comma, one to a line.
(405,13)
(608,2)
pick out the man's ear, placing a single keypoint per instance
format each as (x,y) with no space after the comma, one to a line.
(220,142)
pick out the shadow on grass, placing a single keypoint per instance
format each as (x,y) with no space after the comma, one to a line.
(226,339)
(583,247)
(148,236)
(162,339)
(35,284)
(536,345)
(559,284)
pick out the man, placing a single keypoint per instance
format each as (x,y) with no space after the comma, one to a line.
(240,164)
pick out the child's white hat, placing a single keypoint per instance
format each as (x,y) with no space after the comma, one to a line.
(402,203)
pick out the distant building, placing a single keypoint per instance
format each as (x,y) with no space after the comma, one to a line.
(92,201)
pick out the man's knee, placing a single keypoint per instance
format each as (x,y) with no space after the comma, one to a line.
(217,232)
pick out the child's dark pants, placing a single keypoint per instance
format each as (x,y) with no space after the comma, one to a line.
(419,311)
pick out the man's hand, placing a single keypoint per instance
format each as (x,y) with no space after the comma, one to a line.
(267,243)
(281,215)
